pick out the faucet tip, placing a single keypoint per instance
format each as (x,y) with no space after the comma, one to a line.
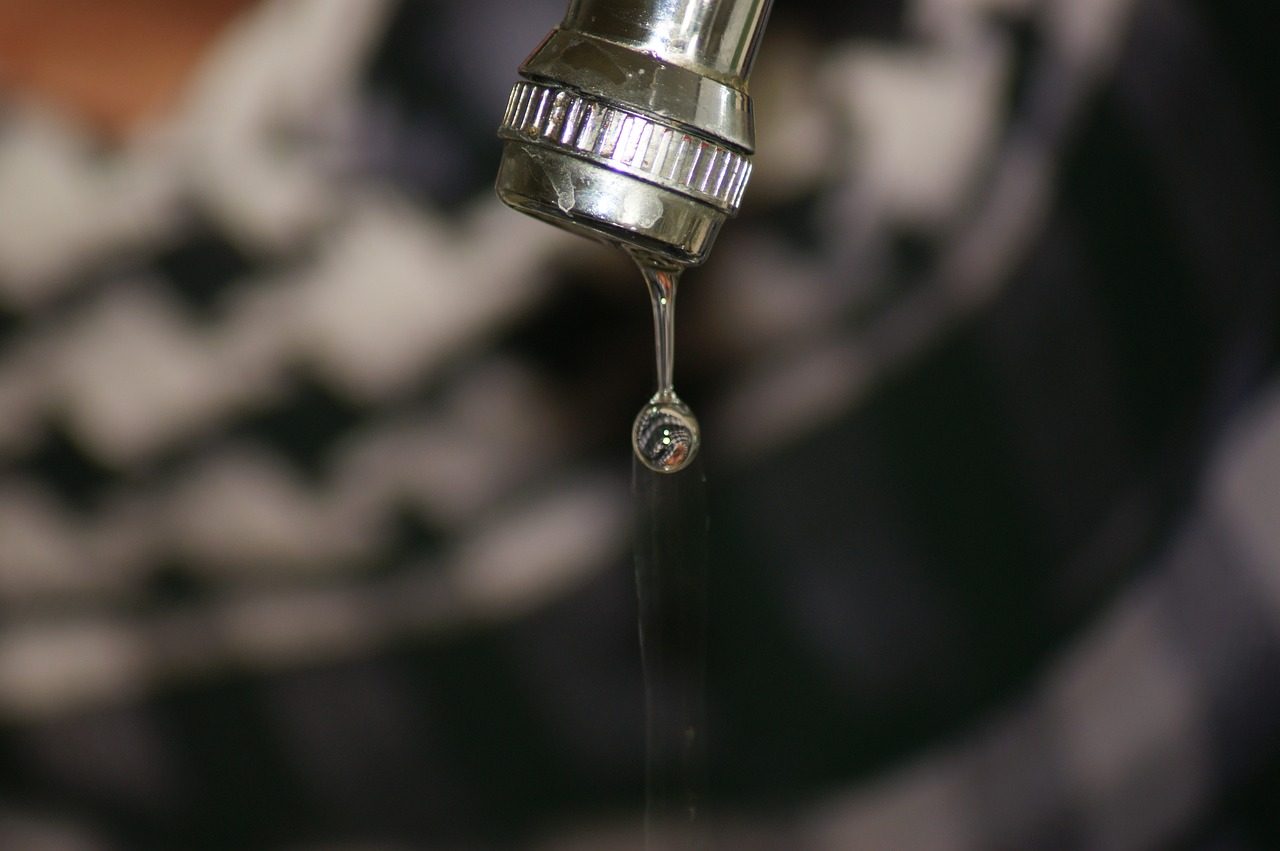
(616,142)
(593,167)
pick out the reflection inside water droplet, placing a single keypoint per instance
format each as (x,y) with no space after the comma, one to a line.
(666,435)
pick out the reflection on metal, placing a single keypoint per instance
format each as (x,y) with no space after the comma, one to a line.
(636,127)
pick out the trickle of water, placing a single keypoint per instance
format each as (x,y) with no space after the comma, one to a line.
(671,550)
(671,580)
(665,435)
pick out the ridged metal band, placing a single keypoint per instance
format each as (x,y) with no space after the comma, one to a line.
(624,141)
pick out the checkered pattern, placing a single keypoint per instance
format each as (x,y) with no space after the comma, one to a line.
(313,462)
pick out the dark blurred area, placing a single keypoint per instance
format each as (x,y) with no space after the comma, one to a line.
(314,465)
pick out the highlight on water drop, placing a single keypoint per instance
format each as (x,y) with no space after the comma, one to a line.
(666,435)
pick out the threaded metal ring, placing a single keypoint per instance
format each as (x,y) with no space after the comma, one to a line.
(667,156)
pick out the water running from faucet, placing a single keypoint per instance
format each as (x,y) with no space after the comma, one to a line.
(671,580)
(671,526)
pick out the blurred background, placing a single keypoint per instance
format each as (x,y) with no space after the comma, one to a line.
(314,461)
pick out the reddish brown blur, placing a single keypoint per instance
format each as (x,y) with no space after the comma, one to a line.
(113,63)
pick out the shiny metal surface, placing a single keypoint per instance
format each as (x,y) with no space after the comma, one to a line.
(641,146)
(716,39)
(595,201)
(636,126)
(644,83)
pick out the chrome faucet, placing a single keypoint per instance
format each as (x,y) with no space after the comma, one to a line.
(633,124)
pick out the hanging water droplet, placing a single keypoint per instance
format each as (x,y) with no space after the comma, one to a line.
(666,435)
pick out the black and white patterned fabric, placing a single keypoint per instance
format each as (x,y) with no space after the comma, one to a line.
(314,472)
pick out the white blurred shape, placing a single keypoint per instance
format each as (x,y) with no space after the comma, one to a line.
(542,550)
(958,19)
(45,552)
(135,375)
(397,291)
(924,121)
(796,133)
(245,512)
(1132,725)
(63,208)
(800,392)
(284,66)
(51,669)
(1089,32)
(299,627)
(496,427)
(39,548)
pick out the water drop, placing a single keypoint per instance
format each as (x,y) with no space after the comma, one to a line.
(666,435)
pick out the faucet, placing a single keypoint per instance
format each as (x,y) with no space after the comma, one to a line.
(633,124)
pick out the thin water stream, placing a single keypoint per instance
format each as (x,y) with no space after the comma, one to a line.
(671,581)
(670,535)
